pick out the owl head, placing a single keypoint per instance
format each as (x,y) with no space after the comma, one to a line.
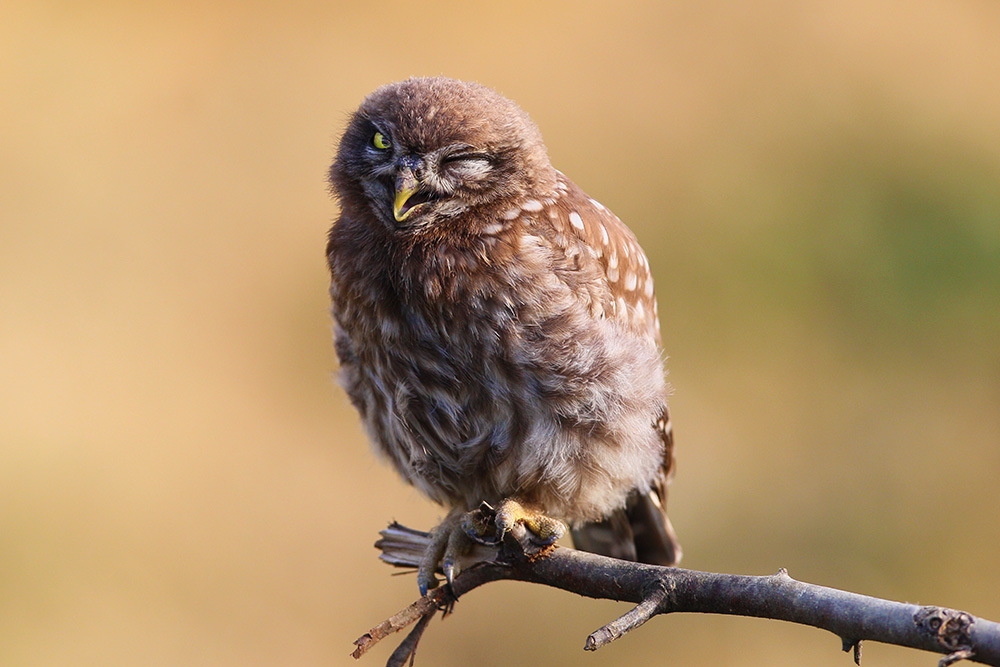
(427,150)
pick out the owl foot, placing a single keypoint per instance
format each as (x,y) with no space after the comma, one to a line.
(454,537)
(488,526)
(449,542)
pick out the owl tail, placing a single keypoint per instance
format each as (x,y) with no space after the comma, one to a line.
(639,532)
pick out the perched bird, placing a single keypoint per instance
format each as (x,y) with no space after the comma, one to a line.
(496,327)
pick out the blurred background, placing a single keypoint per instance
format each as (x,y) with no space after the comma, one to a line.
(817,186)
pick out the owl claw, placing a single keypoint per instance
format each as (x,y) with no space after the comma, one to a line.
(448,566)
(451,540)
(426,580)
(543,530)
(476,525)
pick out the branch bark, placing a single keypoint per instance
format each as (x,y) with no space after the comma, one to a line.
(662,590)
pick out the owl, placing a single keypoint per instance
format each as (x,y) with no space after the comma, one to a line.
(496,328)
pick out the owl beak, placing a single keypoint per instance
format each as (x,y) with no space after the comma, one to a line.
(406,186)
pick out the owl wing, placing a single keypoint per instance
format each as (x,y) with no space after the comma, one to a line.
(627,294)
(641,531)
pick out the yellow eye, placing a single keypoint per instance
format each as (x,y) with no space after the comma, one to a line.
(381,142)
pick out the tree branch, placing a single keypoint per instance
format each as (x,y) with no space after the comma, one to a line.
(663,590)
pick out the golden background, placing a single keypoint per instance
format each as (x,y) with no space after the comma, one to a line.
(817,185)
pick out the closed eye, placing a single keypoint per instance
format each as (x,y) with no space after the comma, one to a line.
(469,167)
(463,157)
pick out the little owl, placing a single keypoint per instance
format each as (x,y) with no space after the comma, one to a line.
(496,328)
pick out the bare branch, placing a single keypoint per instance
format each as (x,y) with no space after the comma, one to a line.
(662,590)
(642,612)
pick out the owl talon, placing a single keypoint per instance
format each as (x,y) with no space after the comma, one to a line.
(449,543)
(426,579)
(454,536)
(543,530)
(477,525)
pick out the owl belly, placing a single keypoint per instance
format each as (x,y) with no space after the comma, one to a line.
(563,420)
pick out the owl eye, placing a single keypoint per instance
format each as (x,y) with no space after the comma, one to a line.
(381,142)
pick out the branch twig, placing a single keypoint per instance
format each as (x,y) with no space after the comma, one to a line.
(662,590)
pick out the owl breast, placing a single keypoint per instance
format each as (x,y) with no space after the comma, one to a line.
(487,367)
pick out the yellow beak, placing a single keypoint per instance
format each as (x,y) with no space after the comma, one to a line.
(406,185)
(403,193)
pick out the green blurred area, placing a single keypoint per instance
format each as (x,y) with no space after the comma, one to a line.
(817,186)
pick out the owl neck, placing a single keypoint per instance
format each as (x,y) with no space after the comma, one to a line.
(453,268)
